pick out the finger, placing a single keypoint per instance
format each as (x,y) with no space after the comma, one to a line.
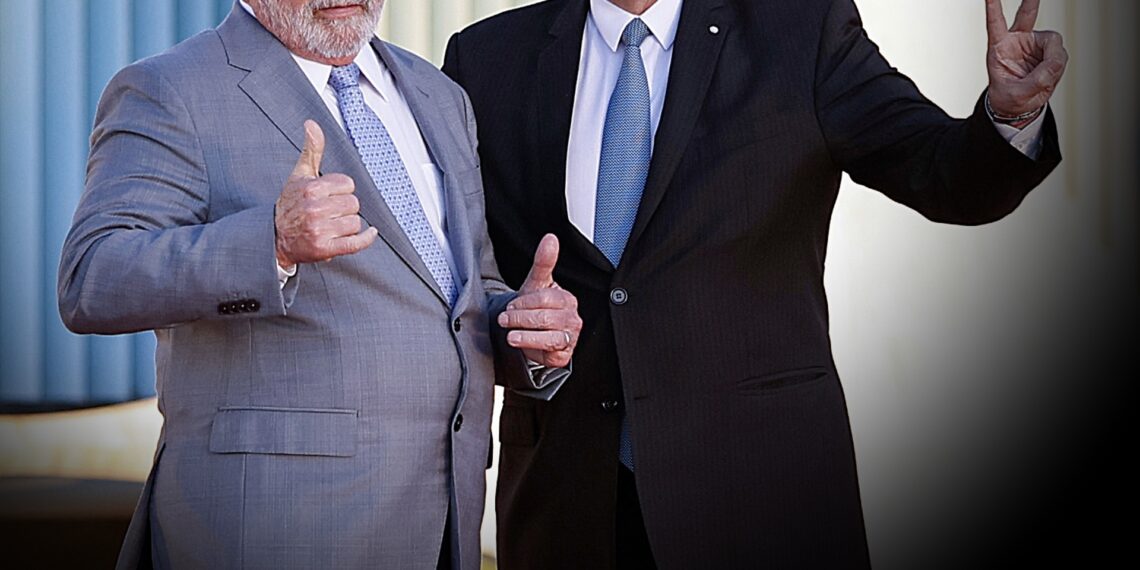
(541,274)
(346,226)
(556,359)
(338,184)
(996,26)
(1026,16)
(309,163)
(352,244)
(538,319)
(1043,80)
(546,341)
(343,205)
(549,298)
(319,189)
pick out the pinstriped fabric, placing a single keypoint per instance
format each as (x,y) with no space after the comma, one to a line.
(626,150)
(386,167)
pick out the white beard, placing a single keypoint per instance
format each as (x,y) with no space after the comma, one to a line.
(299,29)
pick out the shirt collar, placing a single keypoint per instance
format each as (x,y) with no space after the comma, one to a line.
(662,19)
(318,73)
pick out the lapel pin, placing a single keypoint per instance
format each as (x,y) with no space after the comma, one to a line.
(714,30)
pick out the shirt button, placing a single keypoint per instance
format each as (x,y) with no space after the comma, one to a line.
(609,405)
(619,296)
(458,423)
(456,325)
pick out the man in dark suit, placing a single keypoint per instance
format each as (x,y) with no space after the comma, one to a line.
(688,155)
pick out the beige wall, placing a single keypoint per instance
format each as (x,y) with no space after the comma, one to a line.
(424,26)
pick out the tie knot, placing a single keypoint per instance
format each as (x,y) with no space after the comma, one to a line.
(344,77)
(635,33)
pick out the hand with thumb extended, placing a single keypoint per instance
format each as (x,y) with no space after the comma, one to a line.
(544,317)
(317,216)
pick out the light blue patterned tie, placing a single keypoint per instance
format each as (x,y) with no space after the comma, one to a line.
(384,164)
(627,146)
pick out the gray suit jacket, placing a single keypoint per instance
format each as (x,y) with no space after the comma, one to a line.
(330,424)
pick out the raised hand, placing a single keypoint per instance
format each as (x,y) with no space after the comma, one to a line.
(544,316)
(317,216)
(1024,65)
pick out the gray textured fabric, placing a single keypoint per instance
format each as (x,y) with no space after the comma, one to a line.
(306,427)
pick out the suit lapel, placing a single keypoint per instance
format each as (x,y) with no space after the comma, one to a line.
(279,88)
(556,83)
(695,54)
(439,141)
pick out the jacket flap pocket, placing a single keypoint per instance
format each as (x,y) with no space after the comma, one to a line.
(286,431)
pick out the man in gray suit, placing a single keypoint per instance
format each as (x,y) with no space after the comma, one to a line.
(332,409)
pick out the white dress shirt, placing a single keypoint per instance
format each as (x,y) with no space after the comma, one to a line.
(598,71)
(382,96)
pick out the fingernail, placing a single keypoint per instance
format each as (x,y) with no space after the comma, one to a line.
(511,307)
(513,338)
(503,320)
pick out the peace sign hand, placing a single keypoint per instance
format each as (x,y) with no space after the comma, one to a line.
(1024,65)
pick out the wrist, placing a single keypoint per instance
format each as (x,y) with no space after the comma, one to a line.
(1015,121)
(283,260)
(284,263)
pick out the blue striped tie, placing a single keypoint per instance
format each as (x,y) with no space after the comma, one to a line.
(384,164)
(627,146)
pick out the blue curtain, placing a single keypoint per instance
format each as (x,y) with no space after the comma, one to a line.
(56,56)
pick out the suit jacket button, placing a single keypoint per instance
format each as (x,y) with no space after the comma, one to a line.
(224,308)
(456,325)
(609,405)
(458,422)
(619,296)
(254,306)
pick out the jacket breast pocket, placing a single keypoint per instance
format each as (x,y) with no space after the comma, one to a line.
(468,182)
(782,381)
(285,431)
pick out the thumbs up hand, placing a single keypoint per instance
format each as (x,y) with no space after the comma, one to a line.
(544,316)
(317,216)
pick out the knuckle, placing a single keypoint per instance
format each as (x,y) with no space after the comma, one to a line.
(550,297)
(312,190)
(545,320)
(311,212)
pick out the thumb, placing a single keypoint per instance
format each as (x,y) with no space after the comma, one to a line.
(309,163)
(541,274)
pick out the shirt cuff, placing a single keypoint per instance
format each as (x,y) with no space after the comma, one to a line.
(546,381)
(283,275)
(1027,139)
